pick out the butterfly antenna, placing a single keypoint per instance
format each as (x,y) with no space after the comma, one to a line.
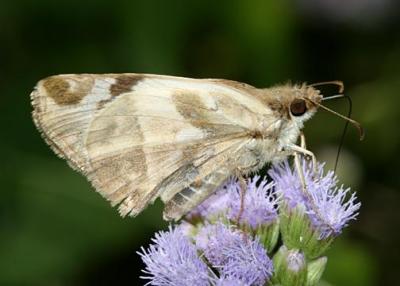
(347,118)
(332,82)
(346,125)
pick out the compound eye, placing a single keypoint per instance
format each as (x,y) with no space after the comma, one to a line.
(298,107)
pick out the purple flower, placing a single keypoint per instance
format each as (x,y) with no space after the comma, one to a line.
(206,250)
(215,204)
(173,260)
(259,205)
(324,202)
(236,255)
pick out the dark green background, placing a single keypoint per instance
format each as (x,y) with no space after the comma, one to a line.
(55,230)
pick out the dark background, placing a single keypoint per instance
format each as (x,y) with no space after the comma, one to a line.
(55,230)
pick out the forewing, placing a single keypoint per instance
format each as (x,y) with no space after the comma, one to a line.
(130,134)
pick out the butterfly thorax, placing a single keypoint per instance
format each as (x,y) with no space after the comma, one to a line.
(273,136)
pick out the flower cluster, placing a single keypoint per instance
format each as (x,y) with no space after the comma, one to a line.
(323,201)
(232,237)
(171,258)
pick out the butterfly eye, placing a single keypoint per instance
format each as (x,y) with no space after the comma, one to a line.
(298,107)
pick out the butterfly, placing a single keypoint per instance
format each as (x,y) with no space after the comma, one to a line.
(137,137)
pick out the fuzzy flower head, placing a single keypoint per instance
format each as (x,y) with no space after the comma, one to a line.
(225,240)
(259,204)
(324,202)
(235,258)
(235,255)
(173,260)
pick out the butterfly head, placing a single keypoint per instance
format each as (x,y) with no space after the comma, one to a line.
(294,103)
(303,103)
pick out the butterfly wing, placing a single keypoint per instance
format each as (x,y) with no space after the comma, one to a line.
(137,137)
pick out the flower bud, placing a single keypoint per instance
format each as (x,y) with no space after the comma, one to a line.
(269,234)
(290,267)
(315,269)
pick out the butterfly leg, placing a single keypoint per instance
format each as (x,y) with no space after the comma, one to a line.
(243,190)
(304,151)
(243,184)
(295,151)
(303,182)
(304,146)
(303,141)
(300,172)
(305,191)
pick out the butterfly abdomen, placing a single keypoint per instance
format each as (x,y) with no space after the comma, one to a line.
(188,198)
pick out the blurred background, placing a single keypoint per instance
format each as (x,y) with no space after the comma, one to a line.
(55,230)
